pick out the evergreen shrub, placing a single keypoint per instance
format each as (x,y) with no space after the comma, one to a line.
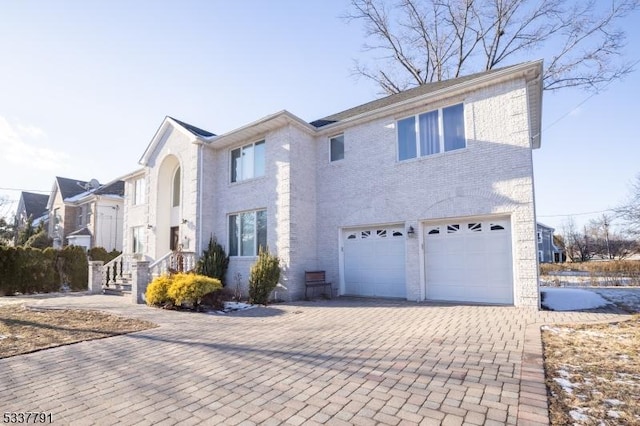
(214,261)
(263,277)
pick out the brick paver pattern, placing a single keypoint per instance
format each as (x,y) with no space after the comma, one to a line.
(345,361)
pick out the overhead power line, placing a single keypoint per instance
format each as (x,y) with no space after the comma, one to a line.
(25,190)
(576,214)
(562,117)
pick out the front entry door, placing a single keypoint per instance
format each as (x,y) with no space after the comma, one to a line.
(174,238)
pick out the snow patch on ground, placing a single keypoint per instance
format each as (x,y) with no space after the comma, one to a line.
(571,299)
(578,415)
(629,297)
(566,384)
(235,307)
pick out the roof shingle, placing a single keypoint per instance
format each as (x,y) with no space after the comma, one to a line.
(399,97)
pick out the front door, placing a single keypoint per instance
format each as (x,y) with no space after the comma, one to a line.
(174,238)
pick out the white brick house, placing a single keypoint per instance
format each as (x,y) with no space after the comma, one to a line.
(424,195)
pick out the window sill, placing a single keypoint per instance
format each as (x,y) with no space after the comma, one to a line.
(432,156)
(255,179)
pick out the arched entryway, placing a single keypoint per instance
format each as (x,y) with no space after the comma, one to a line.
(169,207)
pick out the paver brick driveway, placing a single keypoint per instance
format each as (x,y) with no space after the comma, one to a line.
(344,361)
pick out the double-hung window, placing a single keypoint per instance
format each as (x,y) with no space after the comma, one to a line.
(431,133)
(247,233)
(138,192)
(137,242)
(247,162)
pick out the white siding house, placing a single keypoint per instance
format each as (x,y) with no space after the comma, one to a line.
(423,195)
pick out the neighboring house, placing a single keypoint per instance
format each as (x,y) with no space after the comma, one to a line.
(423,195)
(547,250)
(31,207)
(86,214)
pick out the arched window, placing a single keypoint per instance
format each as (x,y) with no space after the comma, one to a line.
(176,188)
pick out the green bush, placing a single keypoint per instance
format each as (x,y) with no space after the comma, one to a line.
(157,290)
(73,267)
(214,261)
(9,271)
(39,240)
(28,270)
(100,253)
(263,277)
(191,288)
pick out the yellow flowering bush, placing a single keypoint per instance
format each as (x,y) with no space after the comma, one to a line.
(190,288)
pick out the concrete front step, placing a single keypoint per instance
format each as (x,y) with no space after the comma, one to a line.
(116,291)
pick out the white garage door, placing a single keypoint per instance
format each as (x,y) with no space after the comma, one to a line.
(469,261)
(374,262)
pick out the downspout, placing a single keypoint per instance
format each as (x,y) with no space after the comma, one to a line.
(200,186)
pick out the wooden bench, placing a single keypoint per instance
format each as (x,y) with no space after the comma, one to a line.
(314,279)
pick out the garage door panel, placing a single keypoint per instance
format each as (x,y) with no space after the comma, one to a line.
(469,261)
(374,262)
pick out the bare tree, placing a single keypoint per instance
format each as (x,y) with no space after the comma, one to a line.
(578,245)
(423,41)
(607,242)
(630,211)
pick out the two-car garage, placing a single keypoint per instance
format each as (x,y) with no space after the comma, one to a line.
(464,260)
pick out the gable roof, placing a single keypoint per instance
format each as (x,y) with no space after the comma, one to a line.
(197,134)
(193,129)
(35,205)
(402,96)
(70,187)
(112,188)
(80,232)
(531,72)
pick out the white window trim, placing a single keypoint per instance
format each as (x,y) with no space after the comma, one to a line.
(440,133)
(253,144)
(239,241)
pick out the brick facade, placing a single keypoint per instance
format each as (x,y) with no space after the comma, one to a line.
(310,199)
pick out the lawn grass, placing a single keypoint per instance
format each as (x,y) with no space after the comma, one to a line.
(593,373)
(26,329)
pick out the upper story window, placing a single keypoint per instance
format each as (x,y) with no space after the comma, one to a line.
(80,216)
(139,189)
(247,162)
(175,198)
(430,133)
(539,237)
(337,147)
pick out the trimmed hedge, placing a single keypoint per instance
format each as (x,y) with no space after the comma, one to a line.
(27,270)
(100,253)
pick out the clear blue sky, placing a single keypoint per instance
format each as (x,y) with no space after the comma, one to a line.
(84,85)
